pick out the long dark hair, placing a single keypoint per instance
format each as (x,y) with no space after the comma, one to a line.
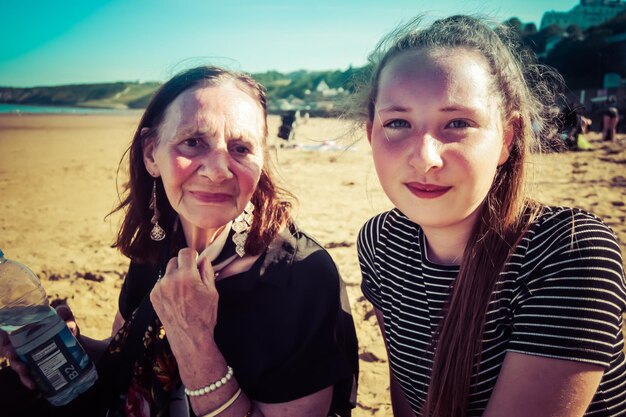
(272,203)
(527,93)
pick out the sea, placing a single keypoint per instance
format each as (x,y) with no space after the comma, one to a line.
(27,109)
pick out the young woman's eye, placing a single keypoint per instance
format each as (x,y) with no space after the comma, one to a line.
(397,124)
(458,124)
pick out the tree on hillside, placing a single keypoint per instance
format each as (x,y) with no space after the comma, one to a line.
(537,41)
(529,29)
(574,32)
(584,60)
(514,24)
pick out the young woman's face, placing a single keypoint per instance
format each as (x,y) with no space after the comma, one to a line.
(437,136)
(209,154)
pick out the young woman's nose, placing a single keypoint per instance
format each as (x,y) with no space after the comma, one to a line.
(426,153)
(215,165)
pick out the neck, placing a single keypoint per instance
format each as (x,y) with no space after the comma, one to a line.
(446,245)
(200,239)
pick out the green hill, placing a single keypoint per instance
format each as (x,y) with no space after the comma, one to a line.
(120,95)
(583,57)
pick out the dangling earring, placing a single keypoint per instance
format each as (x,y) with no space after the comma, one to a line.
(157,233)
(241,226)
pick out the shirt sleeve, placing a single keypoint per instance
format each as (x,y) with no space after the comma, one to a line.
(139,281)
(367,242)
(575,292)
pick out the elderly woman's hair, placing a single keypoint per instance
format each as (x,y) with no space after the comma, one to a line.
(527,96)
(272,203)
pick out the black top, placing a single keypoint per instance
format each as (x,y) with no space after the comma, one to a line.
(284,325)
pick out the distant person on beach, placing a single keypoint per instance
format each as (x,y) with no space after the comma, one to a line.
(610,119)
(288,122)
(228,308)
(575,128)
(490,303)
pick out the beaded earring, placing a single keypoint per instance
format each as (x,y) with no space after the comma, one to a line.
(241,226)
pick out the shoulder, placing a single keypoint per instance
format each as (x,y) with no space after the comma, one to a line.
(374,224)
(572,227)
(139,281)
(392,222)
(568,243)
(294,254)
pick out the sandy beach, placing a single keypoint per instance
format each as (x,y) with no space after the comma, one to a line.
(59,179)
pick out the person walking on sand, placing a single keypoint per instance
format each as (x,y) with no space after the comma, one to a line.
(610,119)
(490,303)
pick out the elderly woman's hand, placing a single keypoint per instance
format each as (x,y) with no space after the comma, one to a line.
(8,351)
(185,299)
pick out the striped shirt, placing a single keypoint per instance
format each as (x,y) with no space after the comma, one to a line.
(561,295)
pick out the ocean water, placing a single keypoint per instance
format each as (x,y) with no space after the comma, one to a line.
(23,109)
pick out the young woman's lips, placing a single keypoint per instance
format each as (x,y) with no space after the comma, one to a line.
(205,197)
(427,190)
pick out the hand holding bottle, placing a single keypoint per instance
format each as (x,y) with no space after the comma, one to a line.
(38,336)
(8,351)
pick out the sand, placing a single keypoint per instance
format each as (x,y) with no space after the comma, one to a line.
(59,180)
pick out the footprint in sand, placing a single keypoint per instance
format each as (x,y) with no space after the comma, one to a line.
(370,313)
(332,245)
(618,181)
(369,357)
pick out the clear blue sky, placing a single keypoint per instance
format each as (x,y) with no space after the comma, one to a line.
(49,42)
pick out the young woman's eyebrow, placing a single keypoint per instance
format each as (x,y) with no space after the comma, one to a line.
(393,108)
(457,108)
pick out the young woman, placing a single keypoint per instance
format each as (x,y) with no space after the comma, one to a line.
(490,304)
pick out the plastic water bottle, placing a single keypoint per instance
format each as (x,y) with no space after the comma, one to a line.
(55,359)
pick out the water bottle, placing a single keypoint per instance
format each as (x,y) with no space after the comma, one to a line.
(55,359)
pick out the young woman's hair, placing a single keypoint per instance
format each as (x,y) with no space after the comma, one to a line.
(272,203)
(526,94)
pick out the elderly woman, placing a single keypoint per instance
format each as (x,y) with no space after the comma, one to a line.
(227,305)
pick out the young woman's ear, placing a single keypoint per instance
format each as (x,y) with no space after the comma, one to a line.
(368,129)
(149,145)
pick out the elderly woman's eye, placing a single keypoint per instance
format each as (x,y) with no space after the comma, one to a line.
(241,149)
(192,143)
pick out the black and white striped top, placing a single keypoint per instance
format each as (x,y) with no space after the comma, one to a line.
(561,295)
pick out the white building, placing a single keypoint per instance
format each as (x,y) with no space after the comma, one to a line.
(323,89)
(586,14)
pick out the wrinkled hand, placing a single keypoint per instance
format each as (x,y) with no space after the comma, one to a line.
(8,351)
(185,299)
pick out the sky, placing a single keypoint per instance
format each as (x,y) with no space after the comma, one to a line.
(46,42)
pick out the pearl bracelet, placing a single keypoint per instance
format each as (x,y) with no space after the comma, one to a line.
(211,387)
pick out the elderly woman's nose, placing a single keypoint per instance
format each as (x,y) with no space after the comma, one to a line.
(216,165)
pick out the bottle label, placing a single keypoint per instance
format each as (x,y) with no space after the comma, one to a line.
(57,362)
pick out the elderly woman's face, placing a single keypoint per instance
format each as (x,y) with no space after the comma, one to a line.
(209,154)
